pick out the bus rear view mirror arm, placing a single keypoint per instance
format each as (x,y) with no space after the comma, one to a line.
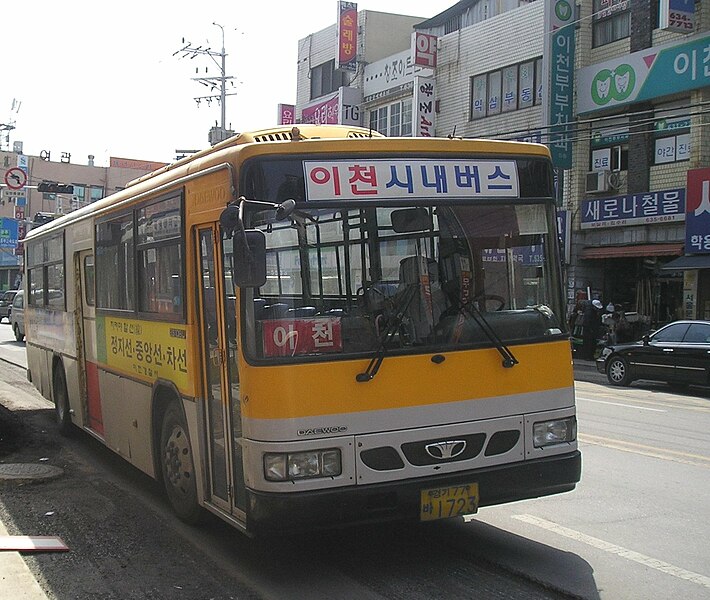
(249,246)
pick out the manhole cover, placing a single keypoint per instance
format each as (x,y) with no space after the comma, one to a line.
(28,472)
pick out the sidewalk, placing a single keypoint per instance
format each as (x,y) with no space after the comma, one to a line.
(16,579)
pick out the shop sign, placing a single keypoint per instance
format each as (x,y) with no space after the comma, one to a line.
(676,15)
(634,209)
(559,69)
(286,114)
(697,216)
(347,36)
(424,49)
(390,75)
(424,112)
(651,73)
(342,108)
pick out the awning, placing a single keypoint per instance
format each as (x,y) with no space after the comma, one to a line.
(592,252)
(699,261)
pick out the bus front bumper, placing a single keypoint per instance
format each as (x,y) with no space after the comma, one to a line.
(400,500)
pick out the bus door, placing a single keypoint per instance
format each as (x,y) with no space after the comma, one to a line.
(86,335)
(221,389)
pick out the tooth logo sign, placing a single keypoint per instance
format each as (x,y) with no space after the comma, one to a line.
(616,85)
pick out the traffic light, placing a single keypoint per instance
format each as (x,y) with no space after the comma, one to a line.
(55,188)
(42,217)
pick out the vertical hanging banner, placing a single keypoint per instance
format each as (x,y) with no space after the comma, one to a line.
(424,109)
(697,215)
(559,80)
(347,36)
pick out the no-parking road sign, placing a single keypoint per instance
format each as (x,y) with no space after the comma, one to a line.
(15,178)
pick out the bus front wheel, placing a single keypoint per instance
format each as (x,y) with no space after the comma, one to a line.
(177,465)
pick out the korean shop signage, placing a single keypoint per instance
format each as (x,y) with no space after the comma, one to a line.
(347,36)
(651,73)
(676,15)
(424,112)
(559,57)
(697,217)
(343,108)
(634,209)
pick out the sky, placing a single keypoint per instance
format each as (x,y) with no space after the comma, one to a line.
(101,78)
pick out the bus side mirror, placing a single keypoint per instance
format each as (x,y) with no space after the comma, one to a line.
(249,255)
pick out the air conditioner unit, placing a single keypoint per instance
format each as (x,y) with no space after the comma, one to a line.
(597,182)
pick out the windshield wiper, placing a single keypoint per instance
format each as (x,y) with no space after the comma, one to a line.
(509,359)
(393,324)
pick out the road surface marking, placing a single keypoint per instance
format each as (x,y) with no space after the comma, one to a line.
(621,404)
(687,458)
(637,557)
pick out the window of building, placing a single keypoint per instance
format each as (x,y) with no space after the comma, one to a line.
(394,119)
(504,90)
(610,145)
(326,79)
(79,193)
(612,21)
(96,193)
(672,133)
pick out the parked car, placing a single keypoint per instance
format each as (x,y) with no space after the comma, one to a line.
(6,299)
(678,353)
(17,316)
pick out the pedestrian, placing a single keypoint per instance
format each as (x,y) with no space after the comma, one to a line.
(592,325)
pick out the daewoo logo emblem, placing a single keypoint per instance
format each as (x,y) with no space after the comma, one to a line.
(446,450)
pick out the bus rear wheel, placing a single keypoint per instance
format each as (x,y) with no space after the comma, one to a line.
(177,465)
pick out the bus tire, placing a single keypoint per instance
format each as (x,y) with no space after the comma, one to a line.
(177,465)
(62,410)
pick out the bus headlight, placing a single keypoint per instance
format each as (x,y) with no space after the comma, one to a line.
(302,465)
(559,431)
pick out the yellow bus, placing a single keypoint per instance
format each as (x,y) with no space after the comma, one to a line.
(317,326)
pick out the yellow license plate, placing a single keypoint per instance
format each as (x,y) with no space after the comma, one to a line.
(442,503)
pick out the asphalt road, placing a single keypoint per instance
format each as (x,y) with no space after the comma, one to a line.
(636,527)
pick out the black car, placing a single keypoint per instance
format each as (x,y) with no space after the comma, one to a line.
(678,353)
(6,299)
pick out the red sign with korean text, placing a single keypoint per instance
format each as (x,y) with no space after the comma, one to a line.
(424,50)
(293,337)
(347,36)
(323,113)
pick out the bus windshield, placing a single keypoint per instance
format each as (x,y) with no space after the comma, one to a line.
(354,279)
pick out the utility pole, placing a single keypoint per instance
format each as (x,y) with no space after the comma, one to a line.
(216,134)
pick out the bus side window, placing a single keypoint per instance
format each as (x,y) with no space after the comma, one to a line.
(89,281)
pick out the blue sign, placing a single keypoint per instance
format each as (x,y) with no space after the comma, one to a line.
(697,218)
(634,209)
(8,233)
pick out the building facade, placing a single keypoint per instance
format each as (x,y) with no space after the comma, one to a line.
(623,195)
(22,204)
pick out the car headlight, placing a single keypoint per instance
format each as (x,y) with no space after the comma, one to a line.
(559,431)
(302,465)
(605,352)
